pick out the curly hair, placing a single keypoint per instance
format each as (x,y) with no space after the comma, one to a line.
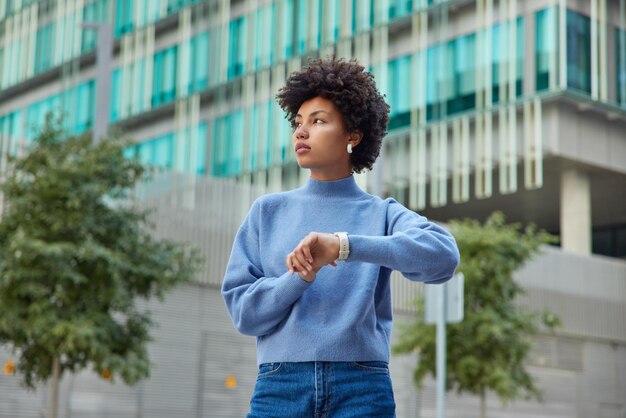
(353,92)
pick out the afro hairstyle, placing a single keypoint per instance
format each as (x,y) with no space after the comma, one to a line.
(353,92)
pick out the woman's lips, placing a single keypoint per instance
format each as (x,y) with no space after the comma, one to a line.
(302,148)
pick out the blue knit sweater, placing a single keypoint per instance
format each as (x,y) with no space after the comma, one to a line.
(345,314)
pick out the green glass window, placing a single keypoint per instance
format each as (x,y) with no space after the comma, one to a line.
(259,136)
(156,152)
(237,47)
(501,54)
(288,23)
(44,48)
(201,149)
(620,58)
(115,94)
(578,52)
(464,74)
(198,70)
(11,127)
(439,80)
(174,5)
(263,45)
(219,153)
(399,8)
(75,105)
(163,151)
(227,149)
(164,82)
(123,17)
(398,90)
(82,118)
(331,24)
(302,25)
(545,46)
(253,159)
(362,21)
(95,11)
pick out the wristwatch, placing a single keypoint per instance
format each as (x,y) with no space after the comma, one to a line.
(344,245)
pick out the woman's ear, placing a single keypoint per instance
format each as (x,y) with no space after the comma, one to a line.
(355,138)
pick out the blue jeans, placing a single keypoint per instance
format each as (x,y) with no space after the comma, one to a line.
(323,389)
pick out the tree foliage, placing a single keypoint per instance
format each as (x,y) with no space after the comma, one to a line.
(76,256)
(486,351)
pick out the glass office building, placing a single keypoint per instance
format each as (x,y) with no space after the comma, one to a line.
(508,105)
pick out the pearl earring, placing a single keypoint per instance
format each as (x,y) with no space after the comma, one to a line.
(349,148)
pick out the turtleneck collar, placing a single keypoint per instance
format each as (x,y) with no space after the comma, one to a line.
(345,187)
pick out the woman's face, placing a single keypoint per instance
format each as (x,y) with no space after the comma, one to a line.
(320,140)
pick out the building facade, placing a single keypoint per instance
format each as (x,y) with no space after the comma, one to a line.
(508,105)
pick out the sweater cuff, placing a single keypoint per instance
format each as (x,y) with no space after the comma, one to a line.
(369,249)
(291,287)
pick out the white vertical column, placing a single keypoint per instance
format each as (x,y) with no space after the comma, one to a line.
(503,150)
(344,46)
(184,57)
(488,25)
(194,125)
(4,65)
(13,51)
(23,16)
(32,38)
(417,97)
(457,158)
(180,134)
(503,51)
(434,163)
(484,161)
(562,44)
(480,40)
(78,27)
(224,35)
(137,76)
(603,51)
(512,148)
(126,75)
(622,48)
(575,211)
(465,159)
(162,9)
(533,144)
(442,172)
(594,49)
(488,154)
(58,33)
(149,67)
(439,165)
(512,50)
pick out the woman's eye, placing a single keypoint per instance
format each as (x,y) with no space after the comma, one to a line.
(318,121)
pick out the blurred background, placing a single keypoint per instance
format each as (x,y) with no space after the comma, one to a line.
(510,105)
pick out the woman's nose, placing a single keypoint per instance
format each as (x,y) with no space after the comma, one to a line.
(301,132)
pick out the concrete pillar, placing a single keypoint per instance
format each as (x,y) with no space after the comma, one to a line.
(575,211)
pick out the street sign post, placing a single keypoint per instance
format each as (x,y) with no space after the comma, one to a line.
(444,304)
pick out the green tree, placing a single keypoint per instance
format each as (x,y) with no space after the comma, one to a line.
(75,256)
(486,351)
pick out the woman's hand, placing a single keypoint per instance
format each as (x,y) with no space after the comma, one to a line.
(315,251)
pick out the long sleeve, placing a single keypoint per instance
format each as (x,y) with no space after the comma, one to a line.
(420,250)
(256,303)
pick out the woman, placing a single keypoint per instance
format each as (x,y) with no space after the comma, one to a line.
(309,270)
